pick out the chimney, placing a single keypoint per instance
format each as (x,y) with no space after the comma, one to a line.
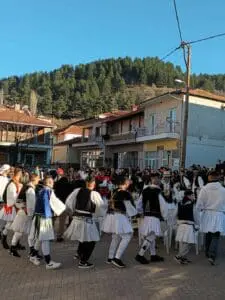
(134,107)
(17,107)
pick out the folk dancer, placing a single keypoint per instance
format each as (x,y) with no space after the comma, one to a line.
(197,183)
(117,222)
(211,201)
(42,224)
(23,220)
(83,203)
(155,210)
(181,184)
(4,172)
(187,227)
(8,212)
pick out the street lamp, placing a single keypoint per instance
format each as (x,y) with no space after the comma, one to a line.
(178,80)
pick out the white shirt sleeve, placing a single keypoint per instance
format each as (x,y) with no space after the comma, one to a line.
(201,199)
(163,207)
(11,194)
(30,201)
(56,205)
(71,200)
(97,200)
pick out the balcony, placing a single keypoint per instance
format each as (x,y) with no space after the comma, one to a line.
(121,138)
(161,131)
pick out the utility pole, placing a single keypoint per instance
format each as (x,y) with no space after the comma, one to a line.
(186,47)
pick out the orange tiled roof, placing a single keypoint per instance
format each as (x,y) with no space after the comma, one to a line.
(8,115)
(70,129)
(206,94)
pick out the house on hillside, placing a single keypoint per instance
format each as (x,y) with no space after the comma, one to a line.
(90,148)
(63,138)
(120,138)
(24,138)
(163,127)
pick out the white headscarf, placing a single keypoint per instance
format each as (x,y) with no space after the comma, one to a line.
(4,168)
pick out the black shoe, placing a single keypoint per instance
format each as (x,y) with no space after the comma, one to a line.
(109,261)
(180,260)
(13,251)
(118,263)
(211,260)
(40,257)
(85,265)
(142,259)
(4,242)
(156,258)
(60,239)
(186,260)
(20,247)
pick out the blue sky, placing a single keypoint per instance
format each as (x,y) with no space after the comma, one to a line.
(42,35)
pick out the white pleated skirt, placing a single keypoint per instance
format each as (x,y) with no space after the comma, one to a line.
(20,223)
(7,217)
(149,225)
(117,223)
(186,234)
(82,229)
(212,221)
(44,232)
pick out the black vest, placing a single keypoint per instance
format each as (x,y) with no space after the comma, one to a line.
(84,202)
(185,210)
(151,205)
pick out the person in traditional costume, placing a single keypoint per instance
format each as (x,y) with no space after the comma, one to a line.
(155,210)
(42,224)
(118,223)
(8,212)
(187,227)
(197,183)
(4,172)
(83,203)
(23,220)
(211,202)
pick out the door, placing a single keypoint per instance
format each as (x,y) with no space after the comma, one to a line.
(160,152)
(115,160)
(29,159)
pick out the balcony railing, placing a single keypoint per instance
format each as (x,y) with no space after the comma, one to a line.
(166,128)
(123,136)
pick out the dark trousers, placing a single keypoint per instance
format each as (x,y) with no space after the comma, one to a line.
(211,244)
(85,250)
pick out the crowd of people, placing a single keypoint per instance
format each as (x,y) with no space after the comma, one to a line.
(87,203)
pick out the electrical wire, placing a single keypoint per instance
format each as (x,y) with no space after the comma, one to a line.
(170,53)
(178,21)
(207,38)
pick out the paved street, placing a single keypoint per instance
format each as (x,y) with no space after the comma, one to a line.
(19,279)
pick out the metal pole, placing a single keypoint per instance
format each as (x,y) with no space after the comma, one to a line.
(186,107)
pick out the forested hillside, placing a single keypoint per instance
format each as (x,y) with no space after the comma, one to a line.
(89,89)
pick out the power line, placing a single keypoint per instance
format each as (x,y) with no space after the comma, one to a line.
(178,21)
(207,38)
(170,53)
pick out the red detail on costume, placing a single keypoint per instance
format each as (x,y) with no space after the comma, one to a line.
(8,209)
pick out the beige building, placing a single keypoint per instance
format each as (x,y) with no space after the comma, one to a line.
(63,153)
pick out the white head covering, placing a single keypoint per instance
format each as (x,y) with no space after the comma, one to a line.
(4,168)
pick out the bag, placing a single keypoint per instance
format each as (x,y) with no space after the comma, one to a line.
(130,209)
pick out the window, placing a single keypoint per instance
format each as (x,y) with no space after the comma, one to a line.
(172,117)
(152,124)
(151,159)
